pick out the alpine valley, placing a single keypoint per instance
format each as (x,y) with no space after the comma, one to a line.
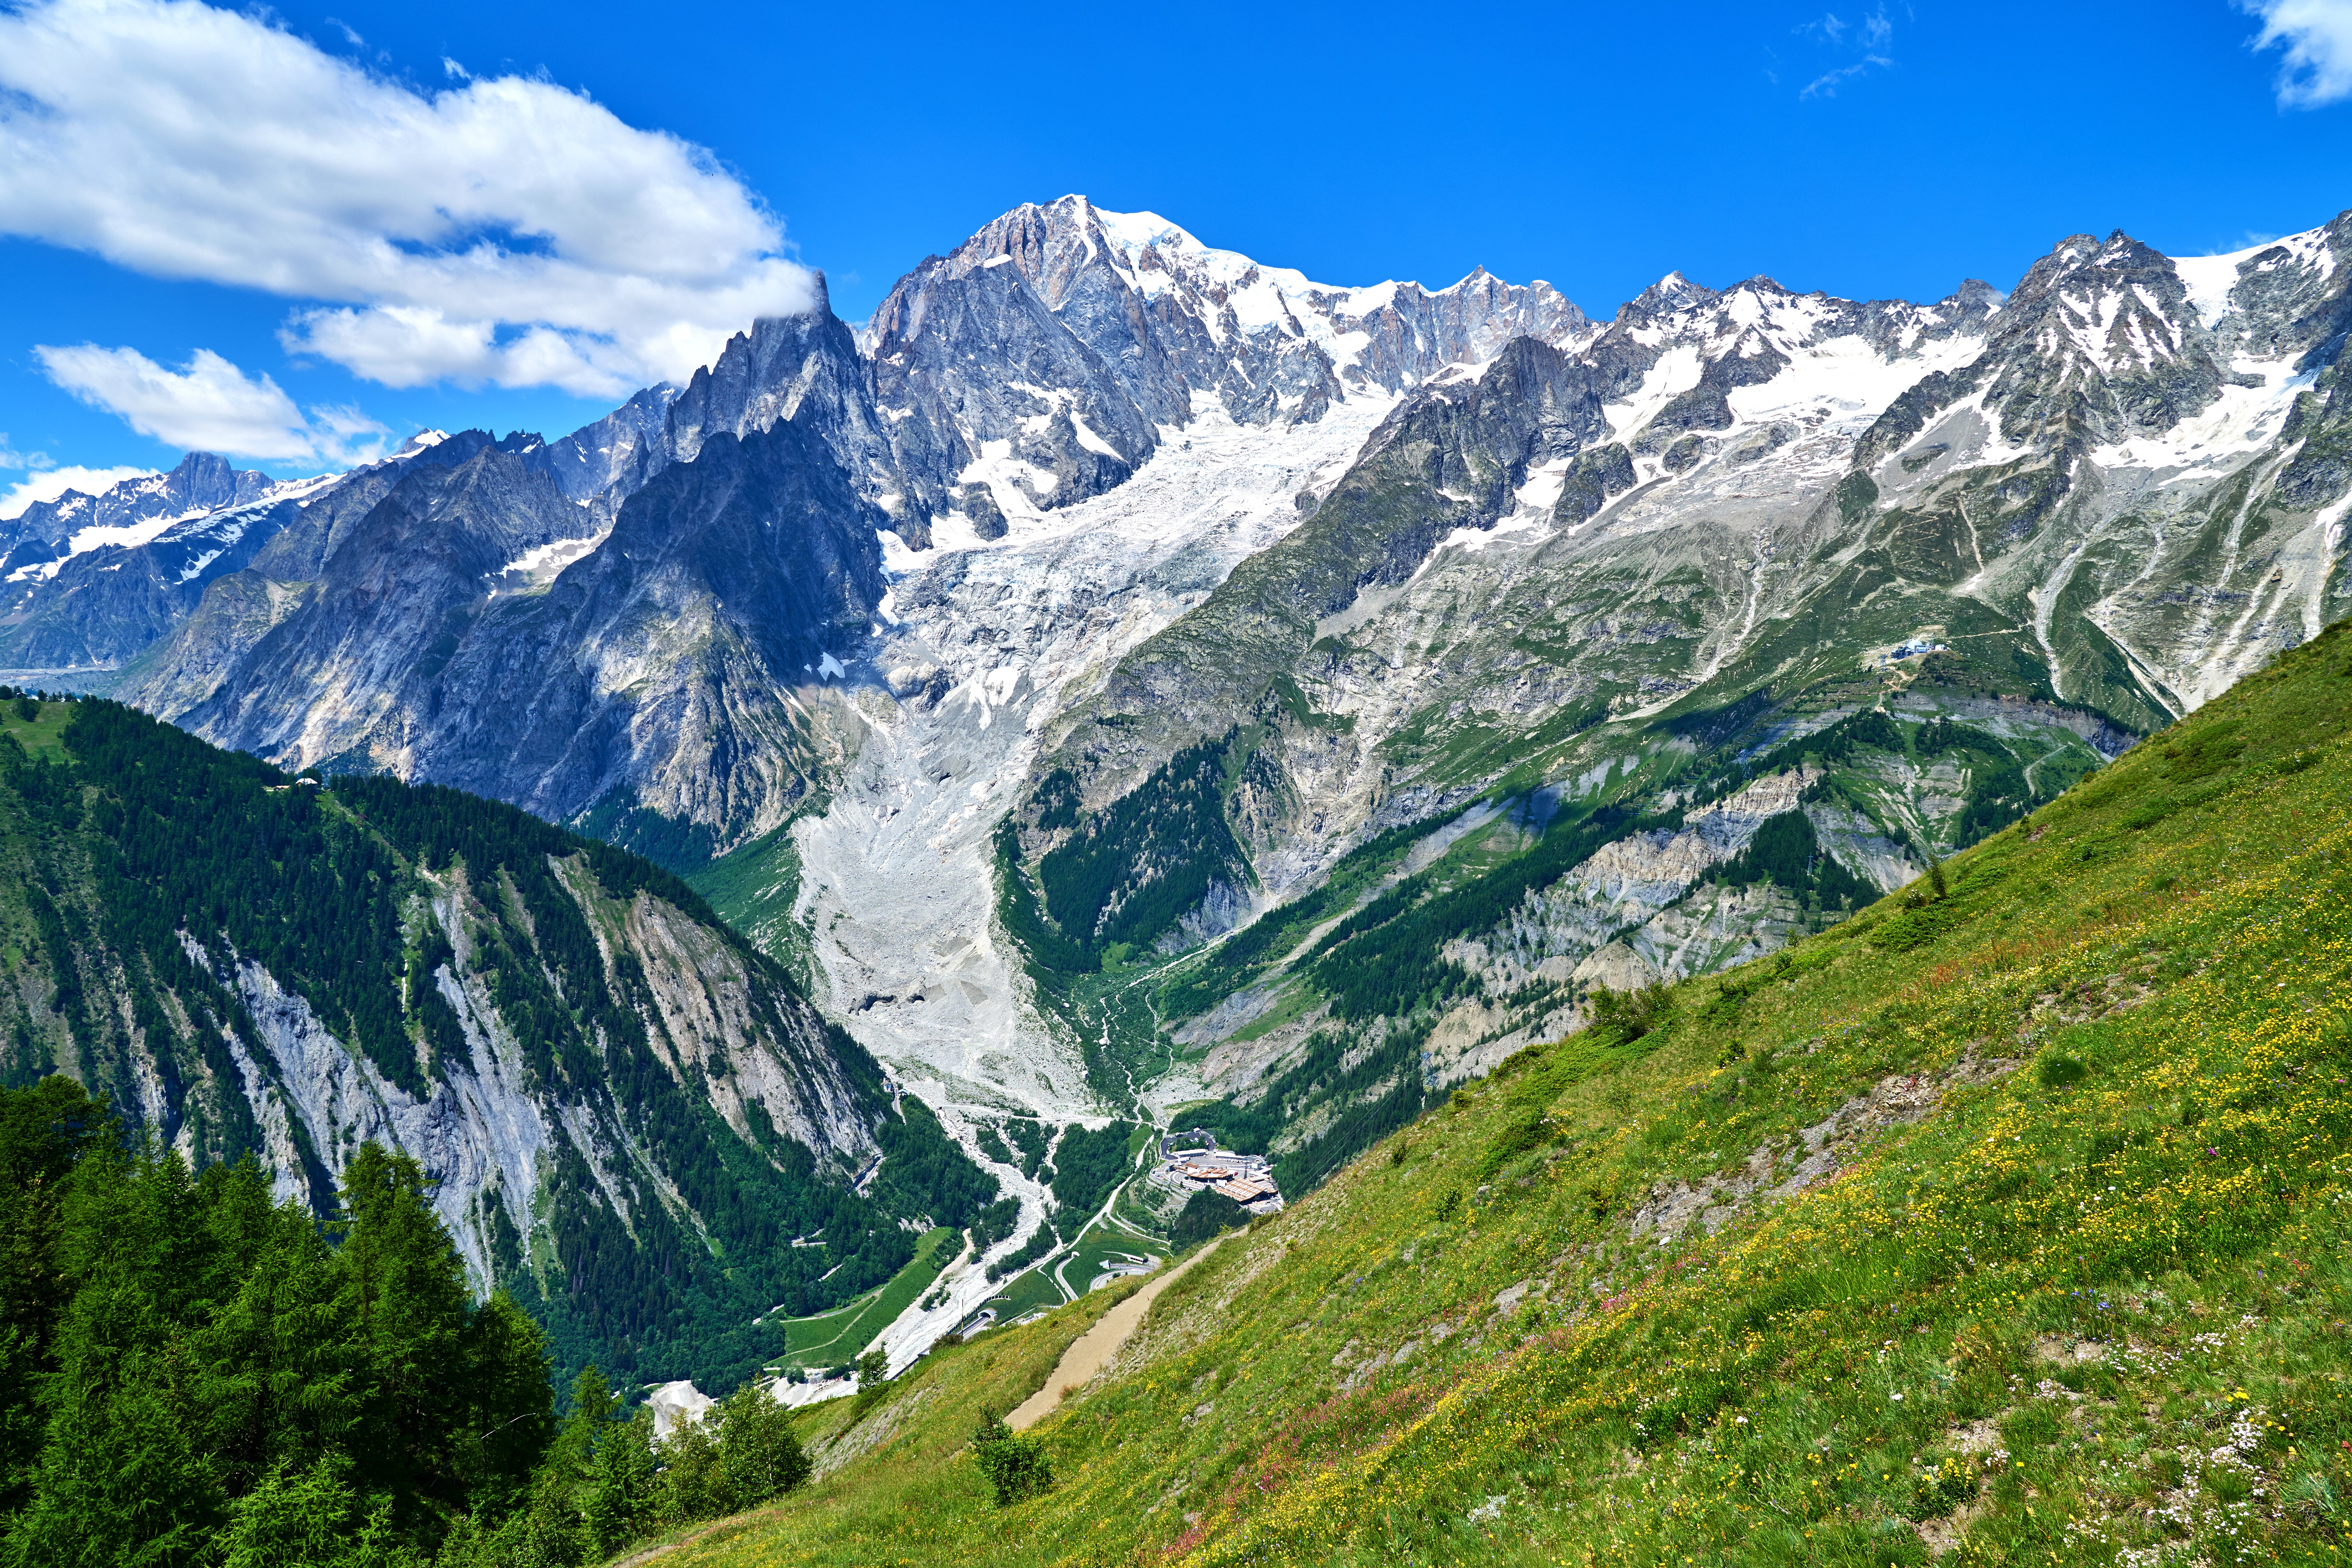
(1120,687)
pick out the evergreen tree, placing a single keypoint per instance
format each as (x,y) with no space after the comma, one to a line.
(193,1375)
(43,1131)
(120,1479)
(508,1419)
(623,1481)
(403,1290)
(277,1383)
(311,1519)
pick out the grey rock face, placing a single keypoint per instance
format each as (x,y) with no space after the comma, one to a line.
(248,591)
(1599,473)
(1022,408)
(806,369)
(180,671)
(647,667)
(1075,336)
(618,454)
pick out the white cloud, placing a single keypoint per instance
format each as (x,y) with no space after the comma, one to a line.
(1826,84)
(12,459)
(1873,39)
(211,406)
(55,482)
(504,230)
(2317,37)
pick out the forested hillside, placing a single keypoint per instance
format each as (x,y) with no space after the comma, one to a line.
(2004,1222)
(193,1374)
(626,1116)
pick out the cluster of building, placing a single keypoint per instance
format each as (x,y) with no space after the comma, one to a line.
(1190,1161)
(1917,648)
(1241,1186)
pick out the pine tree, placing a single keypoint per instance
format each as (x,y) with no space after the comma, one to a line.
(276,1382)
(508,1423)
(623,1483)
(403,1290)
(43,1131)
(293,1519)
(120,1479)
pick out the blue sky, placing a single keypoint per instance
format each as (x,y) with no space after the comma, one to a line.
(596,193)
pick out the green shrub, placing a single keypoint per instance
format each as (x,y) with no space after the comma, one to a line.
(1015,1466)
(1529,1130)
(1633,1013)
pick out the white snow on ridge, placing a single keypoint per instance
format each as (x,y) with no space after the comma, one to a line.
(1263,299)
(1544,483)
(2242,419)
(1087,438)
(540,565)
(1847,378)
(224,526)
(2208,279)
(1676,373)
(98,536)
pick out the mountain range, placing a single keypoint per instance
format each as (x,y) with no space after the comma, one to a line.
(1122,679)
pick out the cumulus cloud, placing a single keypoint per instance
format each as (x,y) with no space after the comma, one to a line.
(504,229)
(210,406)
(54,482)
(2317,37)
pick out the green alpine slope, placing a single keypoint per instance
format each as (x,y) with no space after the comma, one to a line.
(2003,1222)
(631,1119)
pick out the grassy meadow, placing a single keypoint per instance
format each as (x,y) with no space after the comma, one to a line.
(835,1337)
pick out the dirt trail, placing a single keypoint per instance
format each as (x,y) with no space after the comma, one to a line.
(1091,1350)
